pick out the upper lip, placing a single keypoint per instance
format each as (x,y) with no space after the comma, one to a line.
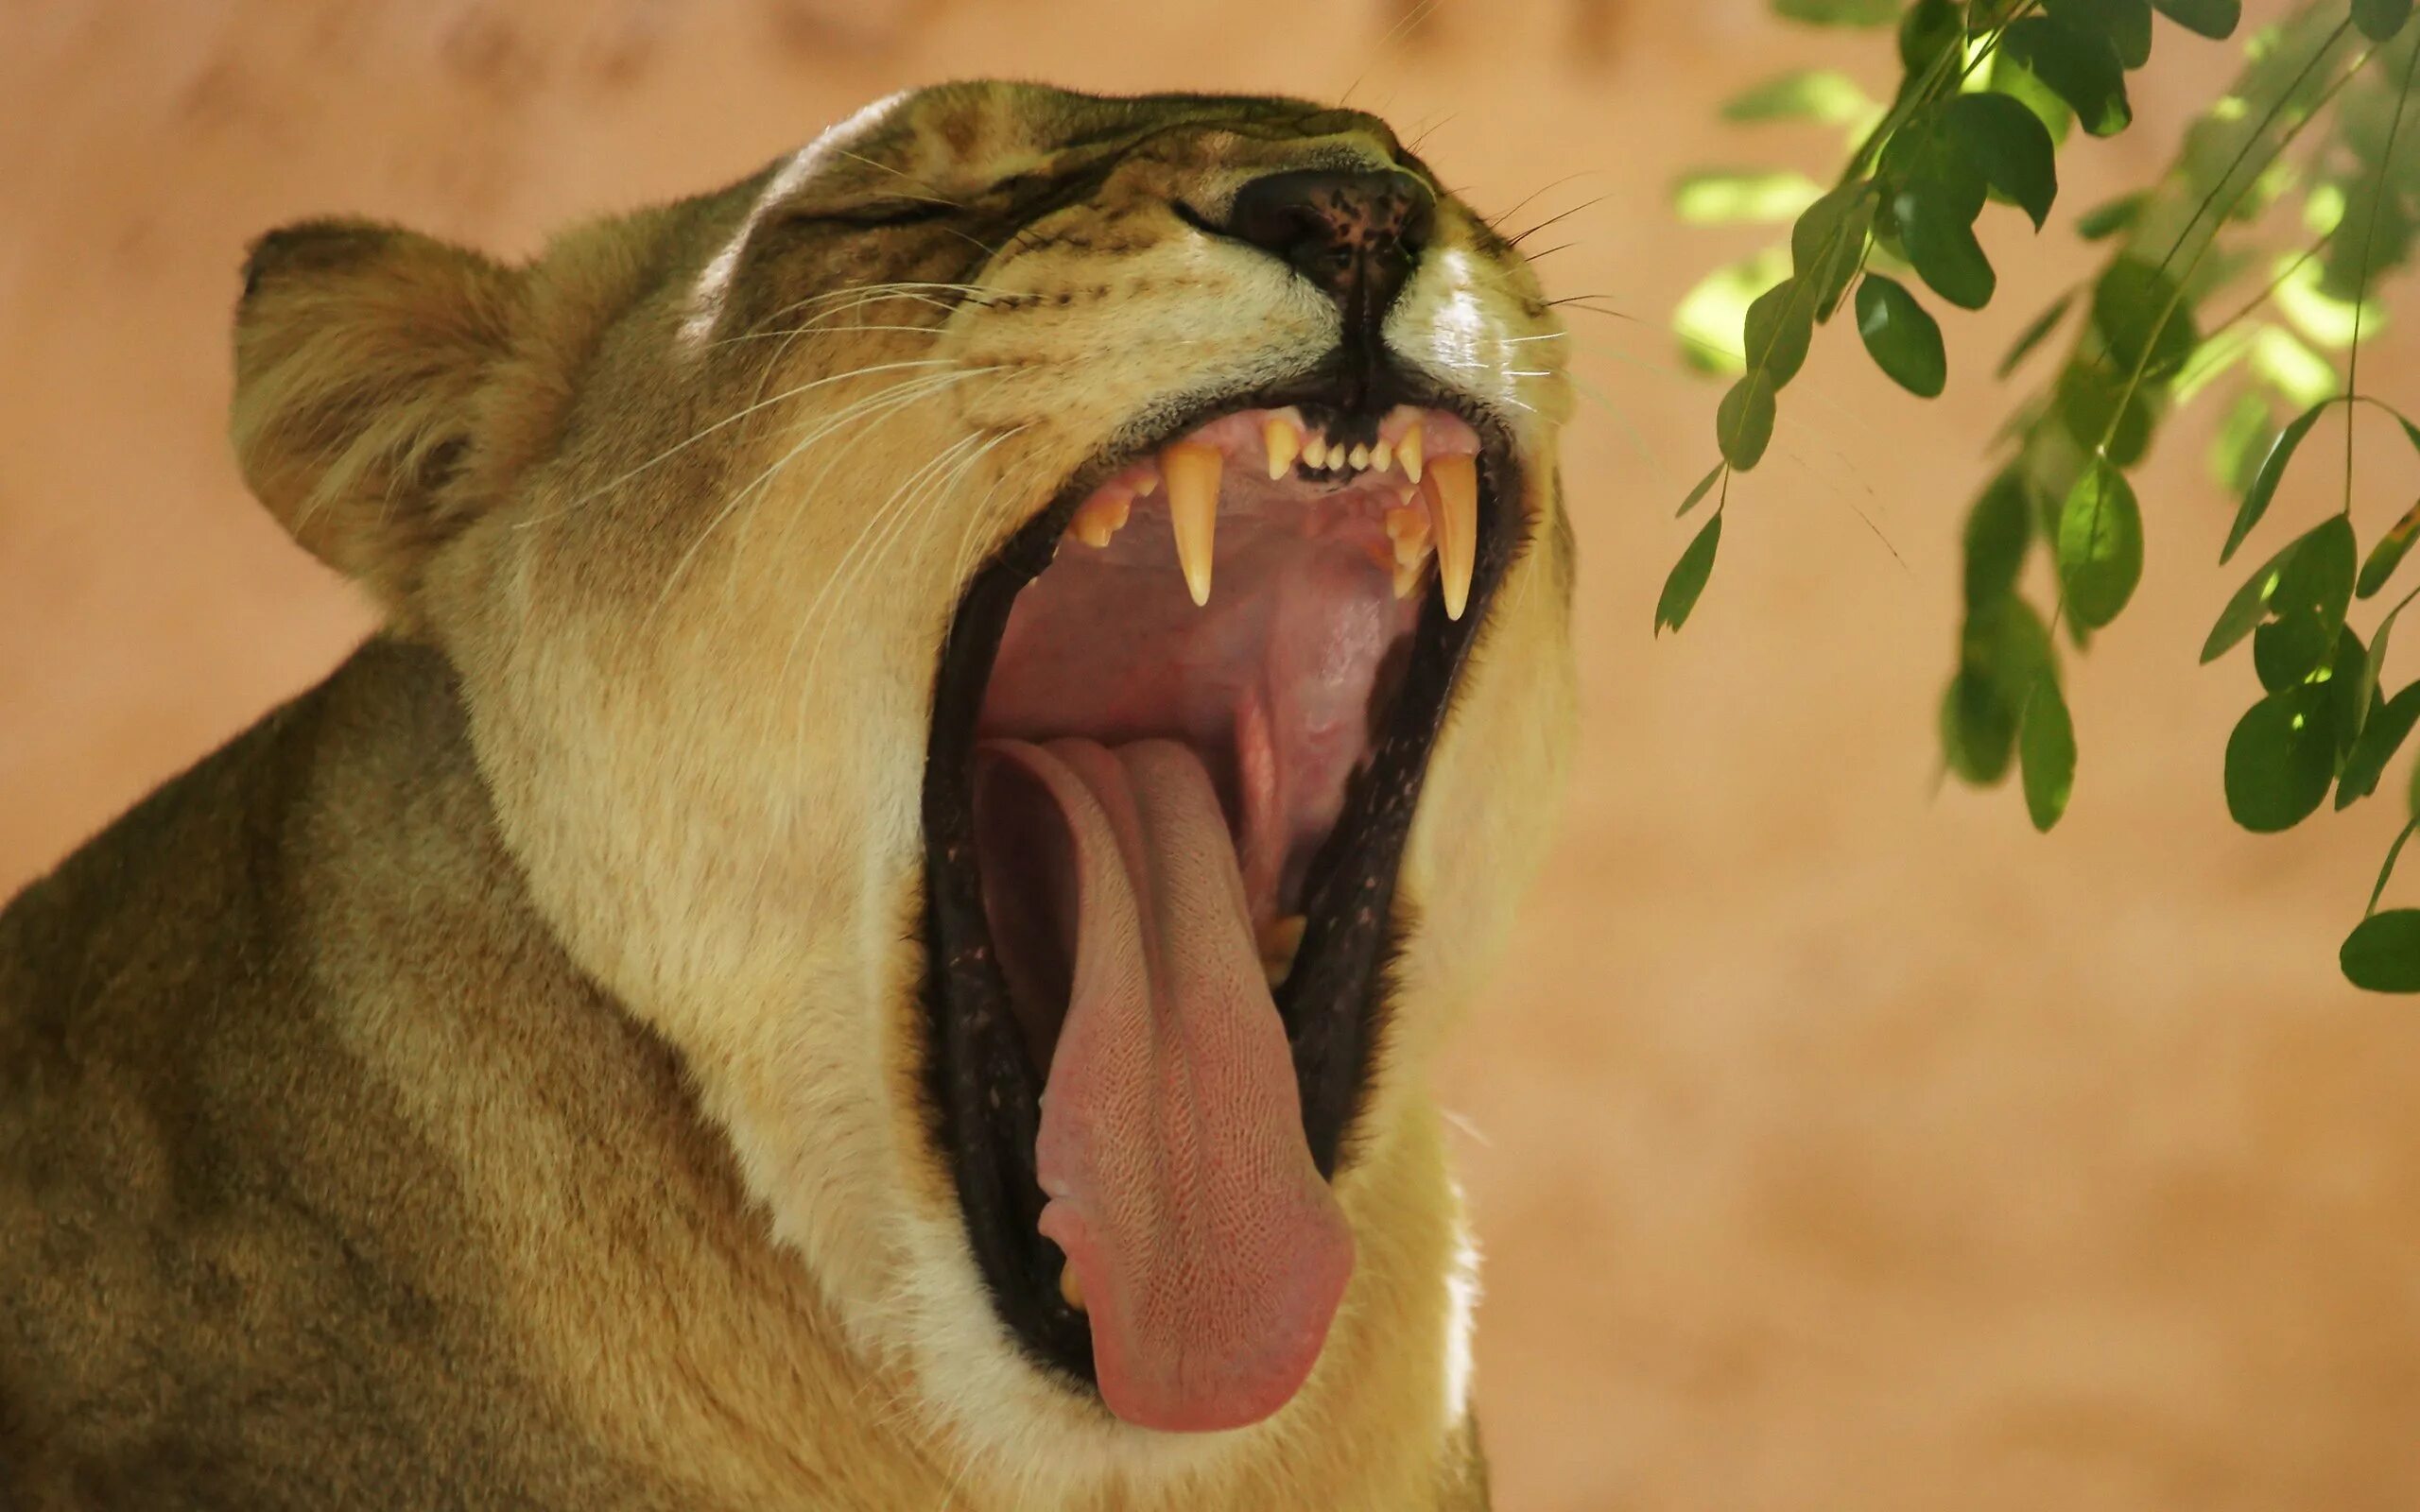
(984,1087)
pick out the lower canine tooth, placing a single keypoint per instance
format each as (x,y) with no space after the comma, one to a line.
(1070,1289)
(1281,939)
(1193,471)
(1408,575)
(1456,526)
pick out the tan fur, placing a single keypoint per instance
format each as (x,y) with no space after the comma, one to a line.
(494,1078)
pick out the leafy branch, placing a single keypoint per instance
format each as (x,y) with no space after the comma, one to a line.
(1990,93)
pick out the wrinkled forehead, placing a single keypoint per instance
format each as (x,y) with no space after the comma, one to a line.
(957,137)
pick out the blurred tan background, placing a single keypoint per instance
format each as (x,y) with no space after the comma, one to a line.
(1836,1144)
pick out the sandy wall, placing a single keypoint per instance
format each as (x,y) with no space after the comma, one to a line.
(1836,1143)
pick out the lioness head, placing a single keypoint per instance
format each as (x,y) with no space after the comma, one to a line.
(1027,639)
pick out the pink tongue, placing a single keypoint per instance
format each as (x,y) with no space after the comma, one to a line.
(1211,1254)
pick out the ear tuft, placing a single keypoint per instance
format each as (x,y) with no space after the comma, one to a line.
(362,357)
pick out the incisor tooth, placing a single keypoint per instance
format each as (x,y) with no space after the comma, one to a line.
(1407,450)
(1149,486)
(1283,442)
(1315,450)
(1457,527)
(1070,1289)
(1382,455)
(1192,470)
(1360,457)
(1098,518)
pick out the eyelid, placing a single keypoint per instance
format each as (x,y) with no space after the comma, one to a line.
(872,215)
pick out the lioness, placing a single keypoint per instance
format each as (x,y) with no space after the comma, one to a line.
(955,720)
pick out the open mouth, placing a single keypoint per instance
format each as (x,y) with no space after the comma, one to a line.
(1180,730)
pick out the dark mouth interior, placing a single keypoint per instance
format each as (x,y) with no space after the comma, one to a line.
(1310,687)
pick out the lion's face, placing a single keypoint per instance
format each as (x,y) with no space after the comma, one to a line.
(1027,639)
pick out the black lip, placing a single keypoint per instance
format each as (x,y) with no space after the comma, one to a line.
(985,1089)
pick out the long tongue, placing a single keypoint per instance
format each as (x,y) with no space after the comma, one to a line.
(1210,1253)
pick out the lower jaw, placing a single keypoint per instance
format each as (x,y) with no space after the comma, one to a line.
(984,1087)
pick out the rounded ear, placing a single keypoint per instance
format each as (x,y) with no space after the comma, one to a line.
(361,356)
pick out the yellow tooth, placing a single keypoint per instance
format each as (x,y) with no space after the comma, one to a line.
(1407,576)
(1457,527)
(1407,528)
(1192,470)
(1283,442)
(1149,486)
(1409,451)
(1315,450)
(1280,940)
(1382,455)
(1100,518)
(1071,1289)
(1359,458)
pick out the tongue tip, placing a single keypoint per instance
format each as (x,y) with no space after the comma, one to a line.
(1217,1385)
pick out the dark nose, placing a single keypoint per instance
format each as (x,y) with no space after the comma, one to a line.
(1356,235)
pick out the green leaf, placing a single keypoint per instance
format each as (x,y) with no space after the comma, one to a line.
(2125,24)
(1709,317)
(1777,329)
(2079,65)
(2345,677)
(1941,246)
(2087,394)
(2388,554)
(2383,954)
(2374,664)
(2382,735)
(1977,732)
(2244,438)
(2033,336)
(2143,317)
(2287,651)
(1723,196)
(2292,369)
(2264,483)
(1998,530)
(2281,758)
(1828,241)
(1931,29)
(2249,605)
(1705,486)
(2379,19)
(1903,340)
(2214,18)
(1743,424)
(2012,147)
(1839,12)
(1824,94)
(2319,579)
(2047,753)
(2111,216)
(2101,545)
(1688,577)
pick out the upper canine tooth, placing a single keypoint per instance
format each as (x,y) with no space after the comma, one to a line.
(1409,450)
(1360,457)
(1282,441)
(1192,470)
(1456,526)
